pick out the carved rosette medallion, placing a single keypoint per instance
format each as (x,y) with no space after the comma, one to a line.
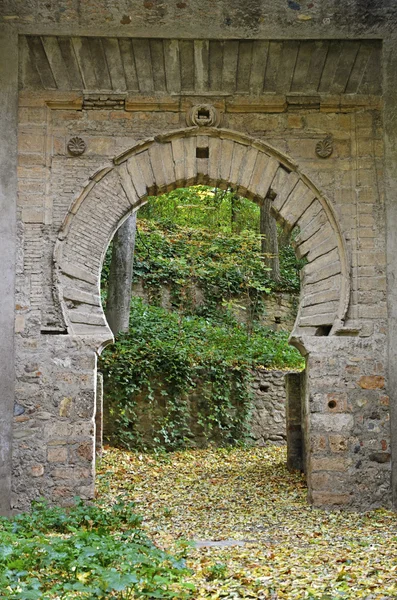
(325,147)
(76,146)
(203,115)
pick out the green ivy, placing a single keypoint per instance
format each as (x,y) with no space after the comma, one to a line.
(162,359)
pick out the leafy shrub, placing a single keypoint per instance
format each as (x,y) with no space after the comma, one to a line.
(85,552)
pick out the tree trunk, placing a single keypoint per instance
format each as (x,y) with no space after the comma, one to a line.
(120,276)
(269,244)
(233,212)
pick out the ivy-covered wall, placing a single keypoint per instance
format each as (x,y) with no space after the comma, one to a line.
(254,414)
(278,309)
(177,380)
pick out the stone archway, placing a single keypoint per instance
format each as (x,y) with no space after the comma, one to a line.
(208,156)
(219,157)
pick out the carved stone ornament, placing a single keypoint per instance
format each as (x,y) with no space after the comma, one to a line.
(203,115)
(76,146)
(325,147)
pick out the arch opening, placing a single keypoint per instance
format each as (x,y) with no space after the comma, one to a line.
(203,305)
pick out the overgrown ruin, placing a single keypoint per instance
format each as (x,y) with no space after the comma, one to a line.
(107,103)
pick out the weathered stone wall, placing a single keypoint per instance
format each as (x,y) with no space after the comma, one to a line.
(279,309)
(349,442)
(240,19)
(54,420)
(268,421)
(347,421)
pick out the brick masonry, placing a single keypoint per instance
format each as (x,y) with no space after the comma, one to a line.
(59,321)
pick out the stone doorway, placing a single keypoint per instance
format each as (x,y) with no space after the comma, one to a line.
(196,155)
(70,131)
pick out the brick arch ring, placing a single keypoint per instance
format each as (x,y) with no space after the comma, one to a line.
(187,157)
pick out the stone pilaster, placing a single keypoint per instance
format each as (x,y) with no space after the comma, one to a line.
(8,193)
(390,124)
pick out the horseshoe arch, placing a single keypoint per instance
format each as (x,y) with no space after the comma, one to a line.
(210,156)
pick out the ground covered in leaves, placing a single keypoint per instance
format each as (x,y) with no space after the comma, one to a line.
(287,549)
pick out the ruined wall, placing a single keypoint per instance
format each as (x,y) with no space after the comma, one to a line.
(279,309)
(289,100)
(268,421)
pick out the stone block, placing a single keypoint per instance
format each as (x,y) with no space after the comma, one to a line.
(19,323)
(71,473)
(336,402)
(37,470)
(65,407)
(338,443)
(33,115)
(318,443)
(366,220)
(86,451)
(295,121)
(33,215)
(321,480)
(57,454)
(59,492)
(329,464)
(31,142)
(371,382)
(36,186)
(332,423)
